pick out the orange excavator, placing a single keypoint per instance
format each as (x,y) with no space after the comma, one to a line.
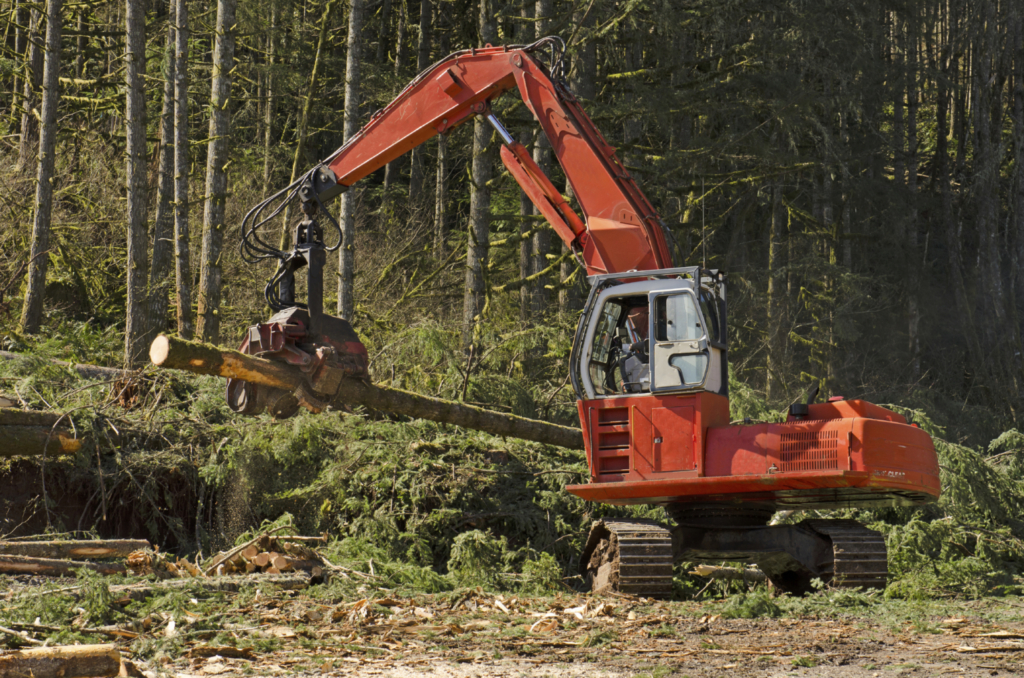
(649,362)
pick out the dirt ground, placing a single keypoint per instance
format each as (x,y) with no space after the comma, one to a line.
(261,631)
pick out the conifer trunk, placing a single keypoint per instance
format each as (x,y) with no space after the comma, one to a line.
(30,95)
(135,175)
(346,253)
(32,310)
(394,168)
(163,222)
(541,156)
(208,312)
(479,206)
(416,169)
(182,247)
(268,108)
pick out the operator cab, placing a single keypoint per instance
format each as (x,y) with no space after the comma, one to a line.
(661,332)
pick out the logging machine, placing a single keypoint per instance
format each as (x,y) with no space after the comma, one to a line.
(649,362)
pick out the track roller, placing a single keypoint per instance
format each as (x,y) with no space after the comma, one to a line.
(629,556)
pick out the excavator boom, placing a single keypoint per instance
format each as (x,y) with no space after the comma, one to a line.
(620,230)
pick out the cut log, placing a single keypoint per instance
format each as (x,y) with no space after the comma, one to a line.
(10,416)
(199,358)
(54,568)
(63,661)
(750,574)
(85,371)
(30,441)
(108,548)
(261,560)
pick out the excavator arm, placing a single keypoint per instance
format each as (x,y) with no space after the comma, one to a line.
(620,230)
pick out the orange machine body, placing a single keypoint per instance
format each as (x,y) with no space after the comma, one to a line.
(676,449)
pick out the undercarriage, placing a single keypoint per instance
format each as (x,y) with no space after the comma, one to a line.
(636,556)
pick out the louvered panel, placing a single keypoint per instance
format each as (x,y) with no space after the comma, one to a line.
(809,451)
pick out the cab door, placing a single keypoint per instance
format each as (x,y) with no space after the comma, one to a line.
(679,342)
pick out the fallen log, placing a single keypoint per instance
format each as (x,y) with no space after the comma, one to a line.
(105,548)
(52,567)
(85,371)
(62,661)
(27,441)
(199,358)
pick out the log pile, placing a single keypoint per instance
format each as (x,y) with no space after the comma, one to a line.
(199,358)
(28,433)
(266,554)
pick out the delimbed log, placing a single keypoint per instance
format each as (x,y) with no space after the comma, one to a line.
(27,441)
(106,548)
(52,567)
(62,661)
(199,358)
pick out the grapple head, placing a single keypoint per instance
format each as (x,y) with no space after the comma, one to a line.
(289,337)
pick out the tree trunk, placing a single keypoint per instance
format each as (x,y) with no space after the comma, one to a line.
(182,247)
(441,197)
(584,77)
(346,253)
(62,661)
(190,356)
(776,289)
(32,311)
(163,222)
(525,242)
(416,170)
(479,206)
(208,312)
(92,549)
(30,96)
(135,176)
(307,107)
(268,109)
(913,306)
(394,168)
(541,156)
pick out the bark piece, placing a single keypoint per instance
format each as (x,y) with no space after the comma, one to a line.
(174,353)
(65,661)
(106,548)
(52,567)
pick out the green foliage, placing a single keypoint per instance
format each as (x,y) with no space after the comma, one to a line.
(476,559)
(751,605)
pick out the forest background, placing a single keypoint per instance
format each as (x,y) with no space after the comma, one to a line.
(854,166)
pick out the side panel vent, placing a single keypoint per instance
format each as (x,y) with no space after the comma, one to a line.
(809,451)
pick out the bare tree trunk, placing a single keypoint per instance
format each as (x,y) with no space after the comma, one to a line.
(526,243)
(268,110)
(441,197)
(913,307)
(163,222)
(346,253)
(30,96)
(583,78)
(307,108)
(32,311)
(80,45)
(776,290)
(208,312)
(182,249)
(385,30)
(416,170)
(479,207)
(394,168)
(135,176)
(526,36)
(541,156)
(441,186)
